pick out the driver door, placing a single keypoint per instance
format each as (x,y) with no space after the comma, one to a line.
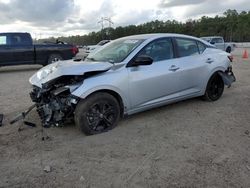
(155,83)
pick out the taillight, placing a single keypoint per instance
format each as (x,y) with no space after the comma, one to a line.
(74,50)
(231,58)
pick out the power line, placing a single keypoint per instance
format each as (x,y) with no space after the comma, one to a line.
(102,21)
(106,19)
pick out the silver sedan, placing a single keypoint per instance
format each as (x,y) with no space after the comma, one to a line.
(129,75)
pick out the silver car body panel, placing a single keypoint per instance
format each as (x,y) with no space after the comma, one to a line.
(69,67)
(143,87)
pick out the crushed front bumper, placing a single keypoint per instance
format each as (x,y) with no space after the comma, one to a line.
(53,106)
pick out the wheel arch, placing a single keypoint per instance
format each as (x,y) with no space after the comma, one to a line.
(117,95)
(215,71)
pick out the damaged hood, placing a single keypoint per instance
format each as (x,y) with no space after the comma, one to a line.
(68,67)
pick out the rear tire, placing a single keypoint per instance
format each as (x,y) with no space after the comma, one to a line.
(215,88)
(97,113)
(228,50)
(54,58)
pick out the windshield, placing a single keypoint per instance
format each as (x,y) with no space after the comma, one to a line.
(116,51)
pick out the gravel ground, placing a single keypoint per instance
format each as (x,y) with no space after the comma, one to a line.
(187,144)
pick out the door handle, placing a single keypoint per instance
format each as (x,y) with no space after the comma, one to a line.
(173,68)
(209,61)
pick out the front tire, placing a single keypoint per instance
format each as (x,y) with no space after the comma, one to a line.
(97,113)
(215,88)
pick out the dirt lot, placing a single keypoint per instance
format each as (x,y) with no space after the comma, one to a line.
(187,144)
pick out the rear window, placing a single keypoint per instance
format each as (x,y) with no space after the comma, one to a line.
(3,40)
(186,47)
(20,39)
(217,40)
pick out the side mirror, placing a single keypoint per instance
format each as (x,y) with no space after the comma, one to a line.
(212,42)
(142,60)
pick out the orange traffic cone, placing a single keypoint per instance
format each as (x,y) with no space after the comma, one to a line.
(245,55)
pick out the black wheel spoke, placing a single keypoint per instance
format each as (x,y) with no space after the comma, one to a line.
(100,116)
(107,121)
(99,113)
(94,123)
(215,88)
(109,111)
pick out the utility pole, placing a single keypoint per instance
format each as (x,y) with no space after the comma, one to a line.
(102,24)
(105,19)
(108,19)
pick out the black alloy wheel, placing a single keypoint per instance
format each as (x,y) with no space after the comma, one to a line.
(215,88)
(101,116)
(98,113)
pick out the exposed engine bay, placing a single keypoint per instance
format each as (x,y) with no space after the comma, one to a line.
(54,101)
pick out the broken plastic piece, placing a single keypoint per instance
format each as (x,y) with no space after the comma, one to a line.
(22,115)
(29,124)
(227,78)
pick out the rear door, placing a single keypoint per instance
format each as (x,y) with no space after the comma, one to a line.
(22,48)
(193,65)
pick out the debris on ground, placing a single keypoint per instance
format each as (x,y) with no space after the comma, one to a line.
(1,120)
(82,178)
(247,132)
(47,169)
(248,168)
(22,115)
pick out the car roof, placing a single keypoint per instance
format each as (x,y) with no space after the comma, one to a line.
(157,35)
(153,36)
(211,37)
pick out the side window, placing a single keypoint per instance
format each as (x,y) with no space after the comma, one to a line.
(217,40)
(159,50)
(213,40)
(15,40)
(186,47)
(3,40)
(25,39)
(201,47)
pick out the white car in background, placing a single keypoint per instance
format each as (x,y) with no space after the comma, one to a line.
(91,48)
(219,43)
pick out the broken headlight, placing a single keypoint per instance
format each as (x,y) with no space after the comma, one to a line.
(54,101)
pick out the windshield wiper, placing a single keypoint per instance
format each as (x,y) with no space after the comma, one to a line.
(108,60)
(111,61)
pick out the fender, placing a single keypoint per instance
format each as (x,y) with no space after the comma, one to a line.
(217,69)
(227,76)
(88,92)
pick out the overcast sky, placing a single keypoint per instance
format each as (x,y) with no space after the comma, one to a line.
(43,18)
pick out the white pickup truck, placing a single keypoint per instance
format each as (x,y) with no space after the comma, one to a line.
(219,43)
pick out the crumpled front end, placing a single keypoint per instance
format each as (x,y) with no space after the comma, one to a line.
(53,86)
(54,105)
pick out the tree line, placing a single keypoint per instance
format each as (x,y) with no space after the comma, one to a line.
(233,26)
